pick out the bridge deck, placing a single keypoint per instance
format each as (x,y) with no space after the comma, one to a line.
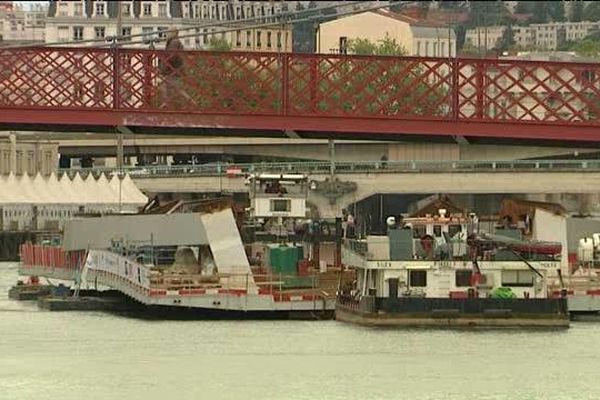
(261,93)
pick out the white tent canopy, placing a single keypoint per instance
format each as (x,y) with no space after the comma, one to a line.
(76,191)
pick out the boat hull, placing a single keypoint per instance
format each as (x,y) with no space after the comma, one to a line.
(444,313)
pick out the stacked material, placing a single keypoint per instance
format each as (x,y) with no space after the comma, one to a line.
(227,249)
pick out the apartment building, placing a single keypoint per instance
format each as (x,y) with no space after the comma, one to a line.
(21,25)
(487,37)
(551,35)
(418,38)
(27,157)
(80,20)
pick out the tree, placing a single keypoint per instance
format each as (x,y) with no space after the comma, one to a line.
(388,86)
(507,40)
(218,44)
(487,13)
(588,47)
(576,11)
(556,11)
(385,47)
(542,11)
(592,11)
(524,7)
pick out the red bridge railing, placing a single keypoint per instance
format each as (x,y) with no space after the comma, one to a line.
(268,84)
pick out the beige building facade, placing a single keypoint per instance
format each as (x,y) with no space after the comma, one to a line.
(21,25)
(551,35)
(486,37)
(418,39)
(27,157)
(83,20)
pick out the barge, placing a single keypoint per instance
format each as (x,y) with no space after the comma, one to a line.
(192,262)
(440,271)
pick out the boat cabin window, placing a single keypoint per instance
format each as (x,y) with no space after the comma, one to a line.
(517,278)
(281,205)
(463,278)
(419,231)
(454,229)
(417,278)
(437,230)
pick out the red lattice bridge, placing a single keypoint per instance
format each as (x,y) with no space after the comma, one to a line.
(92,89)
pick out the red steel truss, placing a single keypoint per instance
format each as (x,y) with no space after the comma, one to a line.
(320,93)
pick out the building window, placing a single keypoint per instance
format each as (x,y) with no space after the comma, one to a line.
(417,278)
(281,205)
(418,48)
(258,37)
(435,48)
(63,10)
(147,10)
(126,31)
(443,50)
(238,38)
(99,32)
(419,231)
(147,33)
(238,13)
(454,229)
(63,33)
(162,10)
(78,10)
(248,38)
(522,278)
(437,230)
(100,9)
(343,45)
(269,42)
(162,32)
(426,49)
(78,33)
(279,40)
(463,278)
(125,10)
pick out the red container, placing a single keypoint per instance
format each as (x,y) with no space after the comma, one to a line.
(303,266)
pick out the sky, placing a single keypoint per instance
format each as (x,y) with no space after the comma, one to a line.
(28,3)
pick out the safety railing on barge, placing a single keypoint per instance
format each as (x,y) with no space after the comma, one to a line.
(140,280)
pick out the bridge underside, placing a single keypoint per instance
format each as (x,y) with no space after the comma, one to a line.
(103,121)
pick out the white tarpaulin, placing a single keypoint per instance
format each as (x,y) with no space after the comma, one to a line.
(76,191)
(227,248)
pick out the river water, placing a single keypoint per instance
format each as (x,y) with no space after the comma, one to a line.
(82,355)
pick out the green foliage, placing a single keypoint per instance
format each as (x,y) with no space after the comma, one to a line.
(385,47)
(385,86)
(524,7)
(592,11)
(487,13)
(588,47)
(469,49)
(507,40)
(218,44)
(576,11)
(542,11)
